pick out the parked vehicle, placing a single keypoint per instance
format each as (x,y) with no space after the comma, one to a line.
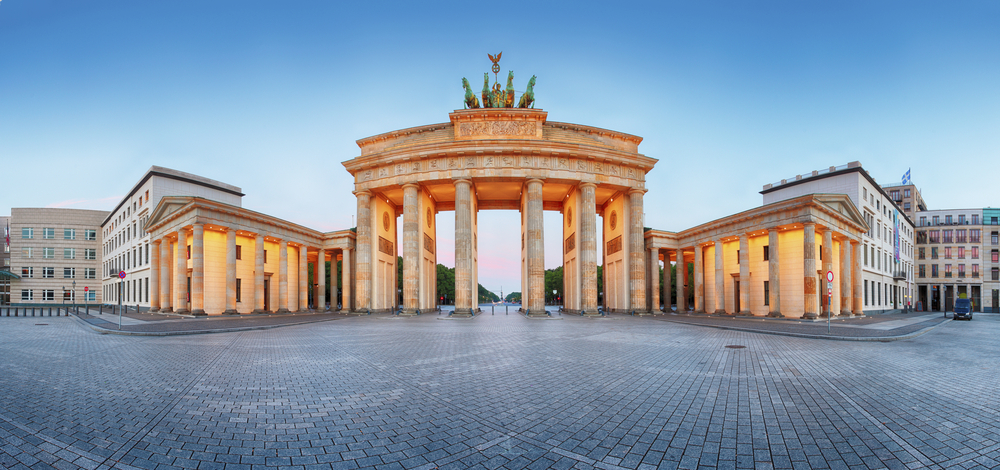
(963,309)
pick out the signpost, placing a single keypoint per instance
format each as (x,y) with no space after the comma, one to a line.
(121,290)
(86,303)
(829,299)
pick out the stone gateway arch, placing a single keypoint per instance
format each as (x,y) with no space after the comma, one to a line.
(500,158)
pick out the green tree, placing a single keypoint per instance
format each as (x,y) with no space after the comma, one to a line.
(513,297)
(553,282)
(445,284)
(485,295)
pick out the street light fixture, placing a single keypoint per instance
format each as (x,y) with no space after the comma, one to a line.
(74,295)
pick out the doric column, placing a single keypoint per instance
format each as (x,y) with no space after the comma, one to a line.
(856,280)
(231,273)
(667,282)
(166,299)
(363,268)
(180,274)
(809,287)
(636,255)
(720,279)
(535,241)
(411,249)
(464,295)
(653,264)
(320,271)
(303,279)
(258,274)
(283,277)
(827,267)
(681,279)
(154,277)
(345,275)
(845,278)
(588,248)
(699,279)
(744,275)
(773,273)
(198,270)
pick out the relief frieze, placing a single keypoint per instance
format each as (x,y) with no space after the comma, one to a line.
(614,245)
(497,128)
(385,246)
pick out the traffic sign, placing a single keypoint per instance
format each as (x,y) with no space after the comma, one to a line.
(85,289)
(121,274)
(829,276)
(830,293)
(829,285)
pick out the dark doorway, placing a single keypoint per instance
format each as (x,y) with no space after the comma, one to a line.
(736,299)
(949,298)
(267,294)
(976,297)
(996,301)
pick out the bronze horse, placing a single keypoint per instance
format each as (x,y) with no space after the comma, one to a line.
(528,98)
(508,99)
(487,94)
(471,102)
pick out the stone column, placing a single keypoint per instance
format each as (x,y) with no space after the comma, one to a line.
(258,274)
(231,273)
(283,277)
(720,279)
(699,279)
(411,249)
(363,268)
(845,278)
(681,279)
(773,273)
(826,299)
(464,295)
(198,270)
(588,248)
(809,292)
(653,264)
(303,279)
(180,274)
(637,252)
(667,281)
(857,281)
(535,241)
(320,271)
(154,277)
(345,275)
(941,292)
(744,275)
(165,281)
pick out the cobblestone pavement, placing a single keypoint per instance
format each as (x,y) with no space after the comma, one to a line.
(873,326)
(153,323)
(495,392)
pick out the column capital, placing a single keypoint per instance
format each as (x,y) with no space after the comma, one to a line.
(809,223)
(408,185)
(156,241)
(463,179)
(587,184)
(637,190)
(534,180)
(362,192)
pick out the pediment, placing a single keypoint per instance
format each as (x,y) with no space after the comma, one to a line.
(168,205)
(842,204)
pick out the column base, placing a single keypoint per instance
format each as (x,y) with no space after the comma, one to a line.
(590,313)
(810,316)
(199,312)
(536,313)
(303,310)
(283,310)
(409,312)
(231,311)
(775,315)
(153,310)
(721,313)
(464,312)
(745,313)
(845,314)
(181,311)
(259,312)
(859,315)
(166,310)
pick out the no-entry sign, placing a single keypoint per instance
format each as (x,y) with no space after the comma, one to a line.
(829,276)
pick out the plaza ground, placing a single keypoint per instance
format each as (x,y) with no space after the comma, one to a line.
(498,391)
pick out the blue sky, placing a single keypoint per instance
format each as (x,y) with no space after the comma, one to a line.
(271,96)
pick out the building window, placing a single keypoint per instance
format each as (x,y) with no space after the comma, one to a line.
(923,221)
(993,238)
(49,233)
(948,236)
(189,252)
(90,273)
(921,237)
(906,206)
(947,270)
(974,235)
(995,256)
(934,270)
(975,219)
(767,290)
(975,270)
(936,220)
(920,253)
(48,273)
(27,272)
(48,253)
(239,252)
(961,252)
(923,271)
(27,295)
(866,292)
(864,193)
(90,235)
(69,234)
(933,236)
(48,294)
(947,252)
(906,193)
(27,252)
(239,289)
(878,297)
(975,253)
(947,220)
(90,253)
(961,219)
(995,274)
(69,253)
(960,236)
(961,270)
(69,273)
(91,296)
(27,233)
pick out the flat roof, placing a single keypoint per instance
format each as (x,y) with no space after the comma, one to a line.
(175,175)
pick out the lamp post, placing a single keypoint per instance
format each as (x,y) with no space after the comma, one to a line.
(64,298)
(74,295)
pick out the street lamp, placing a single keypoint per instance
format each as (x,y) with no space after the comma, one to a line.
(74,295)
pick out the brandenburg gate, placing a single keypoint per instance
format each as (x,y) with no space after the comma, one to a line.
(500,158)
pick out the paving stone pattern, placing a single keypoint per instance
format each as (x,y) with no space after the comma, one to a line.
(495,392)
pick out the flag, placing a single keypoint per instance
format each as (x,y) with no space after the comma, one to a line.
(906,177)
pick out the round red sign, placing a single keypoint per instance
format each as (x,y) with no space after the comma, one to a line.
(121,274)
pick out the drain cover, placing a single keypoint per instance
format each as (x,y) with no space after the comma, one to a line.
(736,346)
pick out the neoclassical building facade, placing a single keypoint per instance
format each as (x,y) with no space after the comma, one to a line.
(501,158)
